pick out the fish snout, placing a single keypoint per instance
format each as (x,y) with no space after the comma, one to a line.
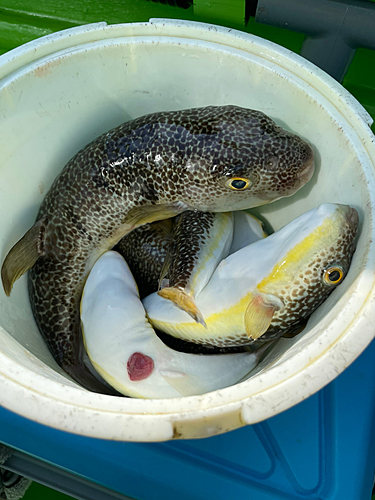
(350,214)
(309,166)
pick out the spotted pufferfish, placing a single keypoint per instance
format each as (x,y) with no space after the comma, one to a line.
(124,348)
(177,257)
(271,287)
(216,159)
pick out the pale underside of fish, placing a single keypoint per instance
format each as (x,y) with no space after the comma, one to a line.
(214,159)
(127,353)
(271,287)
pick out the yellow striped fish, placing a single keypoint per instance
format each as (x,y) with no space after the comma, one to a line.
(127,353)
(270,288)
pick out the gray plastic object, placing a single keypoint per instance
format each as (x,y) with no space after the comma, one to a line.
(59,479)
(333,29)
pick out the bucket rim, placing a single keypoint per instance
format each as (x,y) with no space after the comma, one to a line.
(200,413)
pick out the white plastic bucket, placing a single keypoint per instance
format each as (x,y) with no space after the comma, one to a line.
(63,90)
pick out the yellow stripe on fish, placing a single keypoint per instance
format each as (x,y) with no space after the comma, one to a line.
(292,259)
(126,352)
(211,251)
(182,253)
(199,242)
(271,287)
(212,159)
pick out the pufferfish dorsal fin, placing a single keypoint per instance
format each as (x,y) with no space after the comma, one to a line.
(23,255)
(259,313)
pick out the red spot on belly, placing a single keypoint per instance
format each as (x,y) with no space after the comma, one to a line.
(139,366)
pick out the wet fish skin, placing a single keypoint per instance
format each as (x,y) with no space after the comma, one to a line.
(199,242)
(270,288)
(193,348)
(312,290)
(151,168)
(124,348)
(186,249)
(189,237)
(182,252)
(145,249)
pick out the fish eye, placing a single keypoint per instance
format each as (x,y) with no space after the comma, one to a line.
(333,275)
(238,183)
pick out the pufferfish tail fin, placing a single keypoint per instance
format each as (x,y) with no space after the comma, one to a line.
(23,255)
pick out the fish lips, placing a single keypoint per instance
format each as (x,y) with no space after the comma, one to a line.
(305,175)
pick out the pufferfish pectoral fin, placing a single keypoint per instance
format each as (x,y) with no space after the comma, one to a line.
(140,215)
(164,272)
(259,314)
(184,302)
(23,255)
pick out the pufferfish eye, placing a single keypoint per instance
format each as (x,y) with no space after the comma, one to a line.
(333,275)
(238,183)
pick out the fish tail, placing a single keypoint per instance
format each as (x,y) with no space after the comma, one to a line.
(184,302)
(23,255)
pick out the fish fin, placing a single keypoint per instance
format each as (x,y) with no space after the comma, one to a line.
(294,331)
(184,302)
(165,226)
(186,386)
(164,271)
(259,314)
(23,255)
(138,216)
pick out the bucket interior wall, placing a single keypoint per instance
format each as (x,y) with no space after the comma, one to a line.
(54,106)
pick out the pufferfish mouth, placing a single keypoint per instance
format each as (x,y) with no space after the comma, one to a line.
(307,172)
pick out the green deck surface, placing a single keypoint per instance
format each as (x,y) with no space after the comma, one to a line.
(39,492)
(24,20)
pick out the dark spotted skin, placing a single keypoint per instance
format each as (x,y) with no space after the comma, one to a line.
(193,348)
(305,293)
(309,289)
(145,250)
(190,235)
(151,168)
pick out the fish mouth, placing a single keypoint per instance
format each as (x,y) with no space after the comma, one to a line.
(351,215)
(306,174)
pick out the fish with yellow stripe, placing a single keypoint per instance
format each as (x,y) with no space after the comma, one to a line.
(214,159)
(126,352)
(181,253)
(200,241)
(271,287)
